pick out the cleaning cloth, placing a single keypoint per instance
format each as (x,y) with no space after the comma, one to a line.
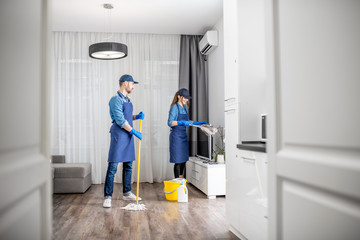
(207,129)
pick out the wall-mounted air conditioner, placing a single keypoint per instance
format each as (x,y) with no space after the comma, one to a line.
(208,42)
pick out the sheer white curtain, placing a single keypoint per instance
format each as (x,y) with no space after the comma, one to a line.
(82,88)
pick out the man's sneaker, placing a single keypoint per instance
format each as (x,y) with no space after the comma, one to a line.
(130,197)
(107,203)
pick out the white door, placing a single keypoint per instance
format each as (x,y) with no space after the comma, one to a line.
(313,65)
(25,182)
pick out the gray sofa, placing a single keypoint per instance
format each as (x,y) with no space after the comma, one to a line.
(70,177)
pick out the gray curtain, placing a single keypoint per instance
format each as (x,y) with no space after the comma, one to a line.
(193,76)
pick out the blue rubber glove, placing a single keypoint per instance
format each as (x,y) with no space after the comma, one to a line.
(136,133)
(184,123)
(200,123)
(141,115)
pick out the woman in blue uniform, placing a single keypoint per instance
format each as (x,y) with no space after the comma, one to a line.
(178,121)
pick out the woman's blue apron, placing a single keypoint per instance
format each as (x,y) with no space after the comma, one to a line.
(122,142)
(179,145)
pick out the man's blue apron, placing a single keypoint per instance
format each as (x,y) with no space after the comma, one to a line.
(179,145)
(122,142)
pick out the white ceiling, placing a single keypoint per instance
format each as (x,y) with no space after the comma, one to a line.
(136,16)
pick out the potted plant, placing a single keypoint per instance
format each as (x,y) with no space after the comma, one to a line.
(220,149)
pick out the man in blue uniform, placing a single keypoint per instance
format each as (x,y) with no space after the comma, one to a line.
(122,140)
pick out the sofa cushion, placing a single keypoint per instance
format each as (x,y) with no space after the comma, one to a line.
(71,170)
(58,158)
(72,185)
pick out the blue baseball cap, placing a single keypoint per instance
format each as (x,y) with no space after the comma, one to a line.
(127,78)
(184,92)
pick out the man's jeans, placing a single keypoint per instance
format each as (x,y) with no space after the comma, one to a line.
(126,178)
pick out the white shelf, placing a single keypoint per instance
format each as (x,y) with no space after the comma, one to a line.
(209,178)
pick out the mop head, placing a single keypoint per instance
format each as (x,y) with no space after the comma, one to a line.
(135,207)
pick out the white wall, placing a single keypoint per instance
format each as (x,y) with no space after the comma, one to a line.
(252,85)
(216,81)
(252,89)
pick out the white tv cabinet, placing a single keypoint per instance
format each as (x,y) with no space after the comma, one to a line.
(209,178)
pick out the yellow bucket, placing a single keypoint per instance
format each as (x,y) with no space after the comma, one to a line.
(170,189)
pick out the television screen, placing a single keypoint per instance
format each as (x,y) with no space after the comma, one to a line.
(202,146)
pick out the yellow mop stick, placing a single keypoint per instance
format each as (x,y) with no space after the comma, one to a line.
(136,206)
(138,167)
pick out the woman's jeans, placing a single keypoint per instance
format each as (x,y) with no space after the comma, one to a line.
(126,178)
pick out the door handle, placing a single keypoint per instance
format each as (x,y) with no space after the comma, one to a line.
(229,99)
(230,110)
(194,178)
(248,159)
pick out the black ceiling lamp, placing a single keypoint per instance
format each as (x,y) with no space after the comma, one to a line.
(108,50)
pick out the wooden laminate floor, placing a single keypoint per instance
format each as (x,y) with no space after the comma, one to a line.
(81,216)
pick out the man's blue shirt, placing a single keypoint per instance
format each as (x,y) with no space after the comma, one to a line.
(173,114)
(116,109)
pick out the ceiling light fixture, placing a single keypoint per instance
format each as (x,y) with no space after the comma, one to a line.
(108,50)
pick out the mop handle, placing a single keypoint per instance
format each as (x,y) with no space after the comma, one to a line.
(138,167)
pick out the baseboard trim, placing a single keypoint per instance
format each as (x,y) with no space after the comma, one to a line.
(237,233)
